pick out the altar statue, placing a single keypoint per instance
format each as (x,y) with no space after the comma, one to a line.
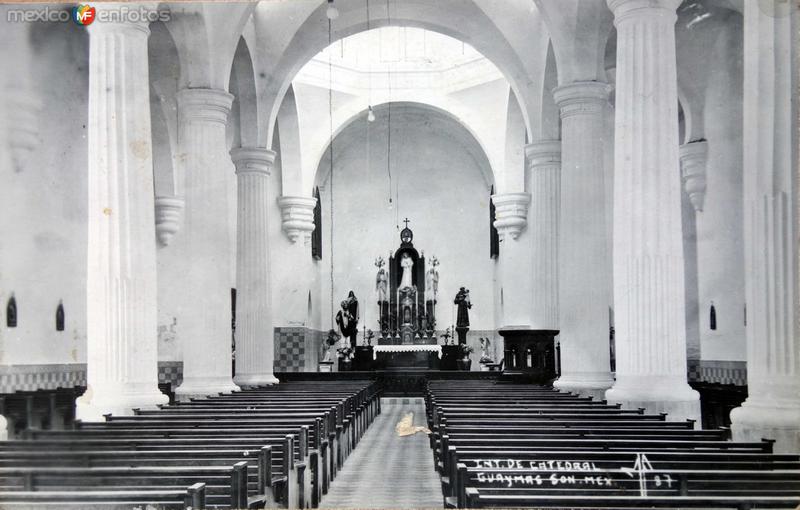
(464,304)
(347,318)
(381,282)
(406,263)
(432,282)
(462,317)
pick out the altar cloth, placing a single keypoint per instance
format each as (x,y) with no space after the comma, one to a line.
(407,348)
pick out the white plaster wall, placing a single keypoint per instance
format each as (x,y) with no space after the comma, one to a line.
(174,261)
(43,235)
(294,274)
(442,192)
(719,228)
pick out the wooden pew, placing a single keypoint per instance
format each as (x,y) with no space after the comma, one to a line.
(475,498)
(191,497)
(513,446)
(324,424)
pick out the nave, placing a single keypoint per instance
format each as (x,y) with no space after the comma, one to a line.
(493,443)
(388,471)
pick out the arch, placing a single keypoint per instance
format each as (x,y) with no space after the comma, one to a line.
(206,36)
(551,116)
(242,85)
(514,164)
(290,147)
(316,137)
(397,108)
(579,31)
(164,70)
(460,19)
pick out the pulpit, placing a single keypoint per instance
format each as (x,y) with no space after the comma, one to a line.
(530,353)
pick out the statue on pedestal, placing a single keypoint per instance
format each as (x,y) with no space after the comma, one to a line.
(462,317)
(347,318)
(381,281)
(432,280)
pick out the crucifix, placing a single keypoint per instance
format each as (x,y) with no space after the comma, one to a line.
(406,222)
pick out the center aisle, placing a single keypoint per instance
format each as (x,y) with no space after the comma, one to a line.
(387,471)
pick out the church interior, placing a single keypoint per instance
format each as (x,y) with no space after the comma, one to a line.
(400,254)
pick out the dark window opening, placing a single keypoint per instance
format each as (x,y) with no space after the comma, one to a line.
(494,237)
(712,319)
(60,317)
(316,235)
(11,312)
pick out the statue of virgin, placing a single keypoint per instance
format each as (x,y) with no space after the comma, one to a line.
(406,263)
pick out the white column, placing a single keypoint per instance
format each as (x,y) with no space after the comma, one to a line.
(206,338)
(122,357)
(511,218)
(297,217)
(771,229)
(584,266)
(255,341)
(649,300)
(544,168)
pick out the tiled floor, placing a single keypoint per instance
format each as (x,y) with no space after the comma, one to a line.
(387,471)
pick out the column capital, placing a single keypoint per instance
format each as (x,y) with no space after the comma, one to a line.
(121,17)
(581,97)
(693,156)
(511,213)
(210,105)
(168,218)
(543,153)
(627,9)
(252,160)
(297,215)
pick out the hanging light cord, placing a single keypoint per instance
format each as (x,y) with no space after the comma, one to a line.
(330,154)
(389,128)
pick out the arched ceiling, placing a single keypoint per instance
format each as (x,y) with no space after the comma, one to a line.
(355,129)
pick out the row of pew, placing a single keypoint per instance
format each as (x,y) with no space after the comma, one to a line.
(519,445)
(266,447)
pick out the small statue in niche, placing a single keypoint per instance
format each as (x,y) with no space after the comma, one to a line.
(406,263)
(485,357)
(381,281)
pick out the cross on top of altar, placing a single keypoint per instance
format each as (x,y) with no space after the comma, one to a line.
(406,221)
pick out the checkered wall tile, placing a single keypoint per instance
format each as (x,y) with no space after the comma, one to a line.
(290,349)
(41,377)
(718,372)
(170,372)
(51,376)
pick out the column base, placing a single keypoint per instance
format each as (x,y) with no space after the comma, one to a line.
(243,380)
(656,395)
(203,387)
(755,420)
(92,406)
(588,384)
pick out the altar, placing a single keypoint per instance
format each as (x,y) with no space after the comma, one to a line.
(407,357)
(435,349)
(407,296)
